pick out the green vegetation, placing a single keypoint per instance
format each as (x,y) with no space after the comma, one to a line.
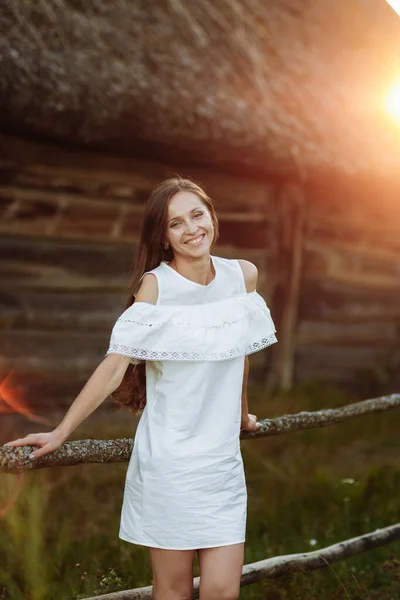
(306,490)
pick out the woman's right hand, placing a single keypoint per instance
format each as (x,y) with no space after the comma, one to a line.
(47,442)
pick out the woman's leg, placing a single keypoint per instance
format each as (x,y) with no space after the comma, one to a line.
(172,574)
(220,572)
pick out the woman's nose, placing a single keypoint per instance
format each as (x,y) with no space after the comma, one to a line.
(191,227)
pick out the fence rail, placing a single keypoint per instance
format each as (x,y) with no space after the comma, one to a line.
(270,568)
(15,460)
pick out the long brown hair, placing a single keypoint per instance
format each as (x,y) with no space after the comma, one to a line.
(150,253)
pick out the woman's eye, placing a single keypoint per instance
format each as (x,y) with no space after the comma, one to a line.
(198,214)
(174,224)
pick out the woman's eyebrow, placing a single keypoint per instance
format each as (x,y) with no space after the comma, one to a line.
(179,216)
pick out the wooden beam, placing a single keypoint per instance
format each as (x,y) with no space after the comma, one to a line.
(15,460)
(270,568)
(290,262)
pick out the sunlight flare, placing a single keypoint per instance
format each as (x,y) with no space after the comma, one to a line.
(395,4)
(393,101)
(12,401)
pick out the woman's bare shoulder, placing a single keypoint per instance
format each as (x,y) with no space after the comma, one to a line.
(250,273)
(148,290)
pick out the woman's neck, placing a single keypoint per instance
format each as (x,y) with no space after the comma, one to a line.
(200,270)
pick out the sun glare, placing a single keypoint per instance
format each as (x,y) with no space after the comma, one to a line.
(393,101)
(395,4)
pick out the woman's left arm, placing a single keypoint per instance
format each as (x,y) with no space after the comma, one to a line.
(248,421)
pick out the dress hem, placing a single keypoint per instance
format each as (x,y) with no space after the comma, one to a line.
(151,545)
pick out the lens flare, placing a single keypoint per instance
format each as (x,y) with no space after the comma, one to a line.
(393,102)
(12,401)
(395,4)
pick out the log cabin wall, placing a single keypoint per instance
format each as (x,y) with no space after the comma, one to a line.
(329,267)
(69,226)
(349,306)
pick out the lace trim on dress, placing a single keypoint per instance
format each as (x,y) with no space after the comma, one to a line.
(140,354)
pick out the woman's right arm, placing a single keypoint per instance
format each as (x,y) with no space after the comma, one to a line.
(105,379)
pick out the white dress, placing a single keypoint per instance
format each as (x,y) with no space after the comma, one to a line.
(185,486)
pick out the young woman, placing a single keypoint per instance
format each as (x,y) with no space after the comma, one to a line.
(178,353)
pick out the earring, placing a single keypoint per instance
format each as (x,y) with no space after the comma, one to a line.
(166,246)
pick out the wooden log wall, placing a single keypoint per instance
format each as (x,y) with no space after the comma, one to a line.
(69,223)
(69,226)
(349,305)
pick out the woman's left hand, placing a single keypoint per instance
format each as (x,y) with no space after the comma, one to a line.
(250,423)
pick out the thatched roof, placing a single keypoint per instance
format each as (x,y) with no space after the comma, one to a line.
(277,86)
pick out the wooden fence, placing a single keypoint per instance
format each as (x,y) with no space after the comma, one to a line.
(15,460)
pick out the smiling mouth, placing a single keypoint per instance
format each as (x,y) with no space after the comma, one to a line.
(196,240)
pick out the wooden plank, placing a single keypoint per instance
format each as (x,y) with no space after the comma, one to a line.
(351,258)
(55,263)
(292,226)
(85,319)
(354,240)
(43,217)
(335,300)
(45,350)
(337,356)
(378,334)
(341,276)
(349,315)
(49,198)
(367,209)
(52,301)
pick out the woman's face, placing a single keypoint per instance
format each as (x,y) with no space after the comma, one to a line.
(189,231)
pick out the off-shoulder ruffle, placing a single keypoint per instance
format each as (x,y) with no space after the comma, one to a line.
(214,331)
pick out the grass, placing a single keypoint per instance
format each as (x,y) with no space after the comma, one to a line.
(306,490)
